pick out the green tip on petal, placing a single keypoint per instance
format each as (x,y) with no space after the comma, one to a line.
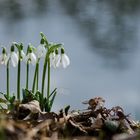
(56,51)
(12,48)
(4,51)
(62,51)
(30,50)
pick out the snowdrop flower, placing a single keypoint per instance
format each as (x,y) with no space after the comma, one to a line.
(40,51)
(22,55)
(55,62)
(13,57)
(3,57)
(62,60)
(52,58)
(20,48)
(30,57)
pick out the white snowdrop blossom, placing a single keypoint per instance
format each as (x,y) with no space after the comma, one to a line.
(65,61)
(56,60)
(3,57)
(62,60)
(22,55)
(13,58)
(40,51)
(30,58)
(52,58)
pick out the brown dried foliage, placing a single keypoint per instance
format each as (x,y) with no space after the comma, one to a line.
(28,122)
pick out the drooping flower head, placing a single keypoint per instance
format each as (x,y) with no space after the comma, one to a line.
(22,54)
(52,58)
(3,57)
(62,60)
(30,57)
(13,57)
(65,61)
(56,59)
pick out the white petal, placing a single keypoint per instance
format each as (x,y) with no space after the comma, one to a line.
(26,58)
(52,58)
(7,57)
(57,62)
(65,60)
(33,58)
(1,60)
(14,59)
(30,58)
(64,63)
(43,52)
(22,54)
(40,51)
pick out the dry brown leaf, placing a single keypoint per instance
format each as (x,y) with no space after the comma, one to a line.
(33,106)
(125,126)
(42,116)
(95,103)
(28,111)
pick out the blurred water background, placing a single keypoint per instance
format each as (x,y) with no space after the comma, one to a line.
(101,37)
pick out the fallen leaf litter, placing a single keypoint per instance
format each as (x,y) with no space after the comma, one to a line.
(27,121)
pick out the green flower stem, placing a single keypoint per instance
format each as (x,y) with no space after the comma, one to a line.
(43,77)
(36,77)
(8,79)
(18,81)
(48,84)
(27,74)
(44,74)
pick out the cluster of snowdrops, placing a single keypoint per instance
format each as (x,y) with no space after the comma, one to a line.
(54,56)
